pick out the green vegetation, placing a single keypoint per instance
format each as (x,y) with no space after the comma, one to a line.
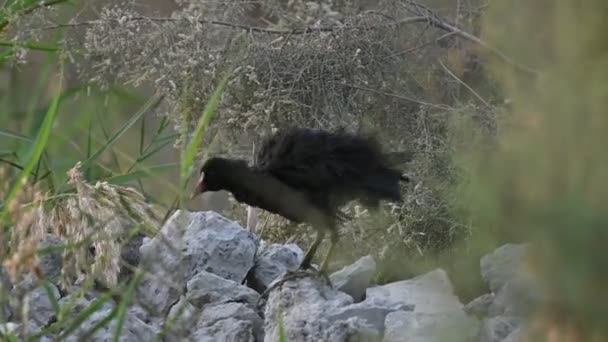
(507,130)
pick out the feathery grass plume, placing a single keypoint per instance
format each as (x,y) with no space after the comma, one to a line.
(28,229)
(97,217)
(92,222)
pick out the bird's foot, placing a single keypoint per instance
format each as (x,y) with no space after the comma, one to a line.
(302,272)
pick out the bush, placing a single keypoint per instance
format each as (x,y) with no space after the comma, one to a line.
(360,70)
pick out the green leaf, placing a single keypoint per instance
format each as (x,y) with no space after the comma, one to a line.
(124,303)
(51,295)
(86,313)
(195,143)
(105,321)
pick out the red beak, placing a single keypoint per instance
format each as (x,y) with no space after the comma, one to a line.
(200,186)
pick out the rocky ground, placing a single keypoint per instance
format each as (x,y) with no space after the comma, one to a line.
(205,274)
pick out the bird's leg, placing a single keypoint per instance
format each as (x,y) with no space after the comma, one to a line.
(306,262)
(333,240)
(304,266)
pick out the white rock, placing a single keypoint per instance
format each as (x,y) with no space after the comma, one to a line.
(496,329)
(373,314)
(41,310)
(202,241)
(454,326)
(156,294)
(515,289)
(272,261)
(479,306)
(214,313)
(180,321)
(139,312)
(214,244)
(430,293)
(355,278)
(353,329)
(516,335)
(311,311)
(74,303)
(502,265)
(133,329)
(190,243)
(51,263)
(206,288)
(232,330)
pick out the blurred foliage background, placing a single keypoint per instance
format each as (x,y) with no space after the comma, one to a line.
(501,102)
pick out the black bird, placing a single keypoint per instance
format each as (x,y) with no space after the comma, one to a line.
(306,175)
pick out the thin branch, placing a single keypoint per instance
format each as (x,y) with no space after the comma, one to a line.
(474,39)
(241,26)
(439,22)
(428,17)
(464,84)
(418,47)
(28,10)
(401,97)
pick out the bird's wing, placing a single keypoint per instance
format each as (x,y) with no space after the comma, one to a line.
(300,159)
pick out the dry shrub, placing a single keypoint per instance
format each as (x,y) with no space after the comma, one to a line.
(355,68)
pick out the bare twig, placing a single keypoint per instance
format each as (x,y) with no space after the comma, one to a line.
(241,26)
(464,84)
(418,47)
(424,15)
(438,22)
(401,97)
(28,10)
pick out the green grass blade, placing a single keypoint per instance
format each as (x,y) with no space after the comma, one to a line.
(105,321)
(11,163)
(282,335)
(86,313)
(195,143)
(124,303)
(37,149)
(31,45)
(126,95)
(142,135)
(50,295)
(4,55)
(139,174)
(14,135)
(87,171)
(106,136)
(148,154)
(151,103)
